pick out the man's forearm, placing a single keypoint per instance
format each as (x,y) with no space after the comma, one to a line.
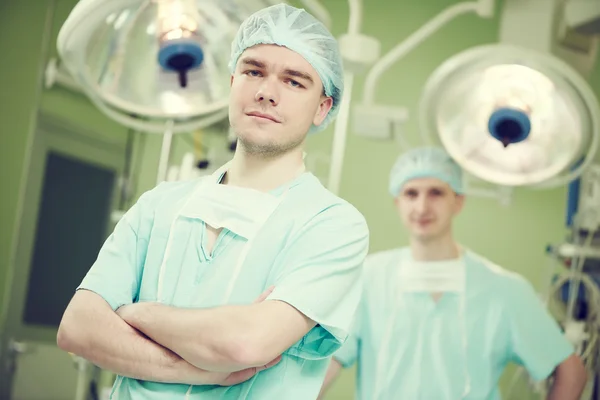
(210,339)
(93,331)
(332,372)
(570,378)
(222,339)
(563,389)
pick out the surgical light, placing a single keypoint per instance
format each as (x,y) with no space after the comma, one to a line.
(180,45)
(149,63)
(512,116)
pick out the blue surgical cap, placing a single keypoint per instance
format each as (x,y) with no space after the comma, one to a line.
(299,31)
(425,162)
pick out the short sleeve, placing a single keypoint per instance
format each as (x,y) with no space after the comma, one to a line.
(537,342)
(320,275)
(116,273)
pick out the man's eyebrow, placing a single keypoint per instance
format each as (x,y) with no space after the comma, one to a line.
(291,72)
(254,62)
(298,74)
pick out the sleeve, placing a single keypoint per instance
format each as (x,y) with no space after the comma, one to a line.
(536,340)
(320,275)
(116,273)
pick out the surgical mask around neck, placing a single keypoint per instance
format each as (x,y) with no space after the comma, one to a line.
(426,277)
(433,276)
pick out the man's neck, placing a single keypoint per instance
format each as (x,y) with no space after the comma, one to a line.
(262,173)
(439,249)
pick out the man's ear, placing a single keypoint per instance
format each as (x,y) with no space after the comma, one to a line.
(231,81)
(323,110)
(460,203)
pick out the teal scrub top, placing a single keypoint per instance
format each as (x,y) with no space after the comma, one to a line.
(425,358)
(311,248)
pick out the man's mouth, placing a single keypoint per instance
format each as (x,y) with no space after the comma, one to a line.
(424,221)
(263,116)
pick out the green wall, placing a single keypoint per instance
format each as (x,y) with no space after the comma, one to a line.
(26,28)
(18,97)
(36,24)
(514,237)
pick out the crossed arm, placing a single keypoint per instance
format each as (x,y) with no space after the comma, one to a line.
(222,339)
(162,344)
(92,330)
(154,342)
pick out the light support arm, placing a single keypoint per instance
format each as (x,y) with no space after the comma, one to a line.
(340,133)
(483,8)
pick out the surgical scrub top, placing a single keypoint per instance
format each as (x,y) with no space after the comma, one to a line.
(311,248)
(425,358)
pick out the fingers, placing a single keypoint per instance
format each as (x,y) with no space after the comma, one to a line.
(269,364)
(264,294)
(239,377)
(244,375)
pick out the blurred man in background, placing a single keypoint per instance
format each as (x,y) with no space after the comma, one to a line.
(437,321)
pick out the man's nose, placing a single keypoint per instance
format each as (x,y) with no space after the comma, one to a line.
(267,92)
(421,204)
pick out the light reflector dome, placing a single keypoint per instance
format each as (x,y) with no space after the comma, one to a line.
(512,116)
(146,62)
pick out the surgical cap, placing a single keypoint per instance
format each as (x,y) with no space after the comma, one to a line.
(299,31)
(425,162)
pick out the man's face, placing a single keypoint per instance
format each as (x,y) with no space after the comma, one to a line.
(427,207)
(276,95)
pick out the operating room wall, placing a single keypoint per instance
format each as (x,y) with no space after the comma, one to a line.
(28,32)
(514,237)
(19,83)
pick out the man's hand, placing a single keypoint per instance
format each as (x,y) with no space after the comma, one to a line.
(230,379)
